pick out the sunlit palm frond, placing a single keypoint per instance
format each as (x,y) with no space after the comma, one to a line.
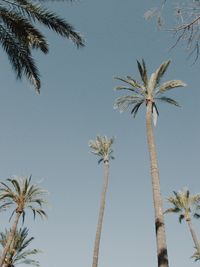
(123,102)
(170,85)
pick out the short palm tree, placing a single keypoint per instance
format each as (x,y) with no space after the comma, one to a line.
(23,195)
(18,252)
(187,206)
(19,34)
(149,92)
(102,147)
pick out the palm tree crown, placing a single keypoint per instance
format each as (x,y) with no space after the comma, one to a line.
(149,90)
(185,204)
(19,34)
(18,252)
(102,147)
(23,195)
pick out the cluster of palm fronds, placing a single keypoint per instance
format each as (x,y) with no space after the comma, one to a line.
(22,195)
(19,34)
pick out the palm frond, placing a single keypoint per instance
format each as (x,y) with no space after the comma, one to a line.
(168,100)
(23,30)
(170,85)
(143,72)
(123,102)
(131,82)
(136,108)
(161,71)
(172,210)
(51,20)
(20,57)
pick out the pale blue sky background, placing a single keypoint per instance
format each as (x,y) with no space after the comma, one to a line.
(47,136)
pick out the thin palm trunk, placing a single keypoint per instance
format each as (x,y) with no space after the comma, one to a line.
(10,238)
(157,200)
(194,236)
(101,214)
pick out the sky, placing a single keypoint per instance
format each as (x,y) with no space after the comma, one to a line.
(47,136)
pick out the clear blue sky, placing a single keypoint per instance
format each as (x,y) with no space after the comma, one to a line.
(47,136)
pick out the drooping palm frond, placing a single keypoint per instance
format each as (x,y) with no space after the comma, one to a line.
(19,34)
(35,12)
(168,100)
(102,147)
(123,102)
(21,193)
(18,252)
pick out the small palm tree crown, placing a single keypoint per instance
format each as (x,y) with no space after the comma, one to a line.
(18,252)
(185,204)
(21,193)
(102,147)
(149,90)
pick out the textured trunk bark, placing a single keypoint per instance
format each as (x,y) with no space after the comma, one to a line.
(194,236)
(10,238)
(157,200)
(101,214)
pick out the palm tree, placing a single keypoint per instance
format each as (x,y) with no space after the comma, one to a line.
(23,195)
(187,206)
(19,34)
(102,147)
(18,252)
(148,92)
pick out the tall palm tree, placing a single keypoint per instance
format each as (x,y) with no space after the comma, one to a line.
(22,194)
(187,206)
(102,147)
(18,252)
(19,34)
(149,92)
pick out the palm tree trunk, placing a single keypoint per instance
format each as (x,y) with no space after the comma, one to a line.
(194,236)
(10,238)
(101,214)
(157,200)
